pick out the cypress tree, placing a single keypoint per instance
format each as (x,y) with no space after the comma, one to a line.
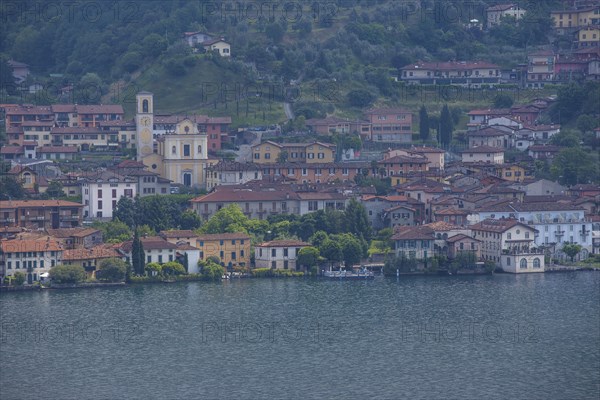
(137,255)
(423,123)
(446,126)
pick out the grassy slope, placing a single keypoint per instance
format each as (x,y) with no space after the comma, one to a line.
(198,92)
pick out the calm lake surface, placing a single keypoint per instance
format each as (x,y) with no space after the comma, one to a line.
(487,337)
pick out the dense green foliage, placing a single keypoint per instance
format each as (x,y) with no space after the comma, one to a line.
(111,270)
(68,274)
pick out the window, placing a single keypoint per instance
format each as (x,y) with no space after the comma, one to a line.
(160,259)
(174,150)
(114,193)
(508,236)
(99,192)
(523,264)
(267,156)
(285,252)
(273,252)
(526,235)
(186,150)
(257,156)
(149,259)
(199,150)
(536,263)
(100,204)
(233,255)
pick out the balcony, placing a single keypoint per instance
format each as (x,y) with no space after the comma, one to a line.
(559,233)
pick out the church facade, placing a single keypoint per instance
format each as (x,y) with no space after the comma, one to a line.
(180,155)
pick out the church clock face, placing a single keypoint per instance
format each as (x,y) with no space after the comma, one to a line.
(145,121)
(146,150)
(146,136)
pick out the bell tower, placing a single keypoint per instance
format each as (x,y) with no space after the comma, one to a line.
(144,122)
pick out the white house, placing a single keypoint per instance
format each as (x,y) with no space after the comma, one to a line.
(496,13)
(33,257)
(556,223)
(510,244)
(231,173)
(101,191)
(484,153)
(278,254)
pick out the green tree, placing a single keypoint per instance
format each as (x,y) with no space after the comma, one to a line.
(153,269)
(572,166)
(571,249)
(308,256)
(113,231)
(227,219)
(20,277)
(125,211)
(173,268)
(351,249)
(138,258)
(587,123)
(360,98)
(112,270)
(211,271)
(189,220)
(10,189)
(55,189)
(503,100)
(356,219)
(446,126)
(274,32)
(68,274)
(423,123)
(91,89)
(331,250)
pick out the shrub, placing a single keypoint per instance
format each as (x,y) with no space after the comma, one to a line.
(19,278)
(68,274)
(112,270)
(262,272)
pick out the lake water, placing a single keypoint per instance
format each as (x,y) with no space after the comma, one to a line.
(485,337)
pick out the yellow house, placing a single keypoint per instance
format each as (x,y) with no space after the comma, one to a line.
(266,153)
(511,172)
(271,152)
(588,36)
(220,45)
(576,18)
(232,249)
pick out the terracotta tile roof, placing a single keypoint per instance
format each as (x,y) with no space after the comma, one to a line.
(222,236)
(12,150)
(488,131)
(483,149)
(71,232)
(91,253)
(498,225)
(442,226)
(404,160)
(459,237)
(229,196)
(284,243)
(177,234)
(30,245)
(99,109)
(451,211)
(10,204)
(413,233)
(545,148)
(57,149)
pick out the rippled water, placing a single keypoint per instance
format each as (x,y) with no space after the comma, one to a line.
(518,337)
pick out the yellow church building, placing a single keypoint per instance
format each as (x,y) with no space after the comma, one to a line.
(180,155)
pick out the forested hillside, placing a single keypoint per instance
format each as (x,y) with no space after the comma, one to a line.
(355,43)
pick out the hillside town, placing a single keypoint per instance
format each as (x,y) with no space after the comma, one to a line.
(494,188)
(420,203)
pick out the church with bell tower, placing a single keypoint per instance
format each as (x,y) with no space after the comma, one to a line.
(144,121)
(181,154)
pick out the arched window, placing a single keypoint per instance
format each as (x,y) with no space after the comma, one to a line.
(536,263)
(173,150)
(200,150)
(145,106)
(523,263)
(27,177)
